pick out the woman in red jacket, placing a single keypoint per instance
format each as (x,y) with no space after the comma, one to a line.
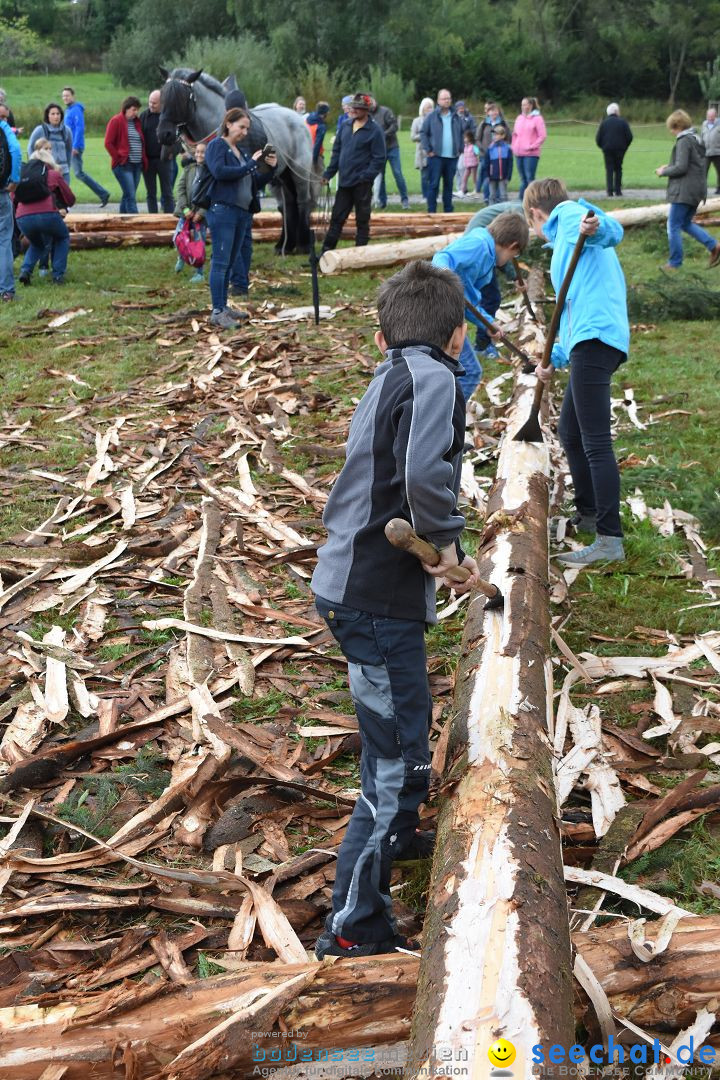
(41,222)
(125,144)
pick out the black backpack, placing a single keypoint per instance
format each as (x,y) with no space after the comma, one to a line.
(201,194)
(33,185)
(5,159)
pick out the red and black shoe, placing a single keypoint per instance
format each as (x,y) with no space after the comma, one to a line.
(330,945)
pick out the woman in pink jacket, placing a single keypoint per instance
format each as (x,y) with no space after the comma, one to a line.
(528,136)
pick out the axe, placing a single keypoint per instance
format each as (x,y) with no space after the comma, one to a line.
(401,535)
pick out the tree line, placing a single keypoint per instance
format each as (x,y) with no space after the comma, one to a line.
(557,49)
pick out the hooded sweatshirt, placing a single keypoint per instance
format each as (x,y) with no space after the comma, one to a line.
(686,173)
(596,304)
(75,120)
(472,258)
(528,135)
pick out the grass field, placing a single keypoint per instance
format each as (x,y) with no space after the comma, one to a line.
(569,152)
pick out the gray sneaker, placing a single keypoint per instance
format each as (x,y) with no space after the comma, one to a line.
(223,320)
(603,549)
(236,314)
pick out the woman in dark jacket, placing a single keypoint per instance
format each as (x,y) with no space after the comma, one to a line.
(230,214)
(687,188)
(125,143)
(41,222)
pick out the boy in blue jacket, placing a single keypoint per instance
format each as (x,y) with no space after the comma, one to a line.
(473,257)
(498,164)
(594,338)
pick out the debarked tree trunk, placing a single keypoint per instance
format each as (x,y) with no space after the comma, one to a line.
(496,957)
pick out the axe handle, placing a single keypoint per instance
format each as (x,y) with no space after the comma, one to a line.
(522,286)
(503,337)
(401,535)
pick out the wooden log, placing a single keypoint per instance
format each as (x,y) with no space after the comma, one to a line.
(383,254)
(496,958)
(367,1002)
(665,993)
(265,219)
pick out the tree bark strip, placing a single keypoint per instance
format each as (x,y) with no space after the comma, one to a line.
(496,953)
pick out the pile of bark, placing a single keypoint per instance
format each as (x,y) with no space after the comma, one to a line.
(89,231)
(168,818)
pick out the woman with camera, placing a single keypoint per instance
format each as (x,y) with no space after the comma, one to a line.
(237,177)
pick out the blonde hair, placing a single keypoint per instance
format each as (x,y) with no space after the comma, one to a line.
(678,120)
(43,153)
(544,195)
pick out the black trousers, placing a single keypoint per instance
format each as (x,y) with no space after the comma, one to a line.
(357,198)
(162,171)
(613,171)
(713,160)
(584,432)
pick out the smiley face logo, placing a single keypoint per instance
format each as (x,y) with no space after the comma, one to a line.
(501,1053)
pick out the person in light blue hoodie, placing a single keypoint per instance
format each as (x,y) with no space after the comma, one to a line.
(473,257)
(594,338)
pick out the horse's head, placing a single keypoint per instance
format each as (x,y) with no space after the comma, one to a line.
(177,105)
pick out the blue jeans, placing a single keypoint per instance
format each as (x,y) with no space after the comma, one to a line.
(584,431)
(483,181)
(77,167)
(240,273)
(7,279)
(441,168)
(680,219)
(45,231)
(228,226)
(469,382)
(387,669)
(425,182)
(393,160)
(527,167)
(490,298)
(128,177)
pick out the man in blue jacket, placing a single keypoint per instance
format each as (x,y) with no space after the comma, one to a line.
(75,120)
(441,138)
(7,279)
(358,155)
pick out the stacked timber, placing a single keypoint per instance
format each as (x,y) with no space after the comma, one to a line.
(156,230)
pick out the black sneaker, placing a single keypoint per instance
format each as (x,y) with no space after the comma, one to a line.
(24,279)
(327,945)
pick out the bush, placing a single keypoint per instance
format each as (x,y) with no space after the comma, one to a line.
(22,49)
(250,60)
(316,82)
(388,88)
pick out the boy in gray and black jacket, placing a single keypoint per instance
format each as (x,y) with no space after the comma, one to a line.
(403,460)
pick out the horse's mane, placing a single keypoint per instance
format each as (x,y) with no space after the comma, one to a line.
(208,81)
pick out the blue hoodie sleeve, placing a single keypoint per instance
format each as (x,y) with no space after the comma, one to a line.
(15,153)
(610,232)
(472,258)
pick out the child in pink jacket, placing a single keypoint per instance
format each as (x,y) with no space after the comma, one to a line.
(528,136)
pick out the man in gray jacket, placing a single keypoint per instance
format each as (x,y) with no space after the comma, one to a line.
(710,135)
(442,140)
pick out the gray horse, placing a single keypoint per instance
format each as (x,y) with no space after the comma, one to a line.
(192,107)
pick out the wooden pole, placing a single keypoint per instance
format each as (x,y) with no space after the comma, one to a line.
(496,958)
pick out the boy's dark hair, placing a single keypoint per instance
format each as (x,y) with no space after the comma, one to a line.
(544,195)
(70,89)
(421,303)
(130,103)
(510,228)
